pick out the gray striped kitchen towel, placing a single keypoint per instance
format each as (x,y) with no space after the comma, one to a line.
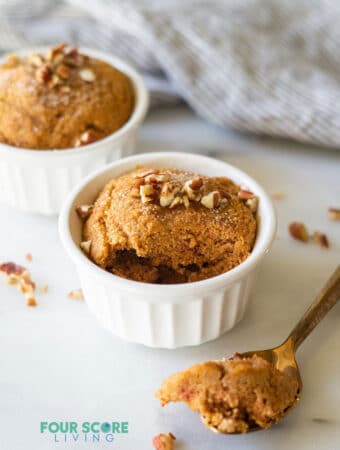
(263,66)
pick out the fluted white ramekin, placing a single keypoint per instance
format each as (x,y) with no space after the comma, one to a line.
(166,316)
(39,180)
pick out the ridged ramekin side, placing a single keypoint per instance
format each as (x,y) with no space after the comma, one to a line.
(157,323)
(40,186)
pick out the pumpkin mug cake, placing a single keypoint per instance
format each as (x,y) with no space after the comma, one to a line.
(165,225)
(63,113)
(167,245)
(61,99)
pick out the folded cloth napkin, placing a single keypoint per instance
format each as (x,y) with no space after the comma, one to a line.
(264,66)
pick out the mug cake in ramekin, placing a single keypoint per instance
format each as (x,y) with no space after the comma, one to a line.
(167,246)
(63,114)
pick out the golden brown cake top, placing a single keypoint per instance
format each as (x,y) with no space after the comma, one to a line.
(61,99)
(233,395)
(164,225)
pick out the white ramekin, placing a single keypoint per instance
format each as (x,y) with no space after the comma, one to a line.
(39,180)
(166,316)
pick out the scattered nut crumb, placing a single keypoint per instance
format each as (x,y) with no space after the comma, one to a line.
(29,257)
(278,195)
(320,239)
(154,186)
(31,301)
(44,288)
(298,231)
(76,294)
(334,213)
(164,441)
(11,279)
(19,275)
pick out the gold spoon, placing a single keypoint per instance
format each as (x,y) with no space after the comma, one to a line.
(283,356)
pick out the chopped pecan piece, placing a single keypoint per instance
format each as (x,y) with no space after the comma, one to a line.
(88,137)
(63,71)
(167,194)
(10,268)
(320,239)
(87,75)
(176,201)
(44,73)
(245,195)
(164,441)
(299,231)
(334,213)
(253,204)
(157,178)
(147,193)
(86,246)
(211,200)
(186,201)
(53,81)
(192,188)
(144,174)
(54,52)
(196,183)
(19,275)
(76,294)
(31,301)
(84,211)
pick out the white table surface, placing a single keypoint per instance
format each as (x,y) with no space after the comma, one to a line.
(57,364)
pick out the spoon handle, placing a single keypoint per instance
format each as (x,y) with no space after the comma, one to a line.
(325,300)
